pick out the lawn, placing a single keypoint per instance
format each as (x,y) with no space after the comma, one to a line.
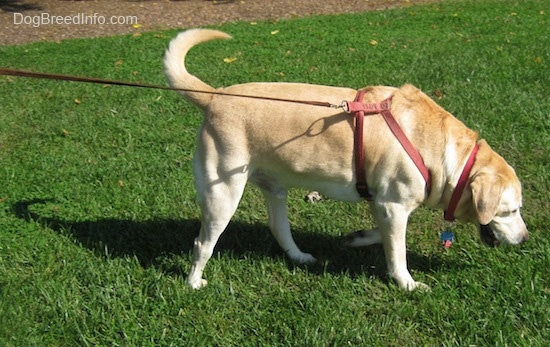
(98,211)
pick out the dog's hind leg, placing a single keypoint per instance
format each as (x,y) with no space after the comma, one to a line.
(218,200)
(280,227)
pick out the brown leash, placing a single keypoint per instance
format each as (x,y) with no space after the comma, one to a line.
(57,77)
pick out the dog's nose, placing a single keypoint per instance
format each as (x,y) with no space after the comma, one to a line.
(525,238)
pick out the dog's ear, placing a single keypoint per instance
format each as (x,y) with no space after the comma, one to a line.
(486,194)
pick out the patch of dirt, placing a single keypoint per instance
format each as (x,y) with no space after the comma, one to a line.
(54,20)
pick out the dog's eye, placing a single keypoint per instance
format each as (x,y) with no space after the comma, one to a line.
(508,213)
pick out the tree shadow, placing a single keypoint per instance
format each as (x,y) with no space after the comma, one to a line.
(152,242)
(19,6)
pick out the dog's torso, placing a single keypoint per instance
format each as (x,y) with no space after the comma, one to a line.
(289,145)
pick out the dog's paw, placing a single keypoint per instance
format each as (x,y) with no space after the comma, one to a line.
(418,286)
(362,238)
(303,258)
(197,284)
(313,197)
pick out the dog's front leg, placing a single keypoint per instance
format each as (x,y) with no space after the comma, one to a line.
(280,227)
(392,222)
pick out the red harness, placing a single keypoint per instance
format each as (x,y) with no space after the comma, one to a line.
(359,109)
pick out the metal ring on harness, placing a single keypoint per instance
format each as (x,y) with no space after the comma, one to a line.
(345,106)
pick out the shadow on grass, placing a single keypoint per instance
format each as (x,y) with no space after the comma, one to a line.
(153,241)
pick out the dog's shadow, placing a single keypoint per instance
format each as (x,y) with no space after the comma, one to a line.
(153,242)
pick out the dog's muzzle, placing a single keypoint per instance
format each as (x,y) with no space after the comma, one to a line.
(488,236)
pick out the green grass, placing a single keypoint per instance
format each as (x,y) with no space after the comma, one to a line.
(97,207)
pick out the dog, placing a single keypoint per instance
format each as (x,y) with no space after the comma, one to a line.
(277,146)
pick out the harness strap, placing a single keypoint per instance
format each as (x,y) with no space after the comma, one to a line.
(408,146)
(457,193)
(359,114)
(359,109)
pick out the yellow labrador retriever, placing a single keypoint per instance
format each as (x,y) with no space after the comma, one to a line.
(278,145)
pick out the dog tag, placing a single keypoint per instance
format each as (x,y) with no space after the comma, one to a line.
(447,238)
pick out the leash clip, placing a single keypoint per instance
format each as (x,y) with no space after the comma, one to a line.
(345,107)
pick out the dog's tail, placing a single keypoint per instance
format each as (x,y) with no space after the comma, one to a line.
(174,63)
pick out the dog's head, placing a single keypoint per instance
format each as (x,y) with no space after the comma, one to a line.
(496,198)
(497,205)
